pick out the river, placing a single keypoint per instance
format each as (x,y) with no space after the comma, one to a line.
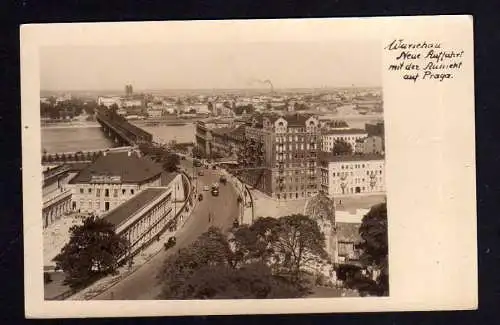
(66,139)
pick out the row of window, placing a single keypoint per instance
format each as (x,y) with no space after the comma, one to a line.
(368,173)
(282,148)
(106,192)
(291,138)
(294,195)
(355,166)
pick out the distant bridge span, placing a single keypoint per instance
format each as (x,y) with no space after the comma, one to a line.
(120,130)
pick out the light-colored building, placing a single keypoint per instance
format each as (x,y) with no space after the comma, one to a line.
(155,113)
(350,136)
(129,103)
(56,194)
(109,101)
(351,175)
(147,215)
(111,180)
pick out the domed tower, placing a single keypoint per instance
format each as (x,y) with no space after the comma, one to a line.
(322,209)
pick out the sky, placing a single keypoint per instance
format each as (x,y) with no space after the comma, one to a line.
(212,66)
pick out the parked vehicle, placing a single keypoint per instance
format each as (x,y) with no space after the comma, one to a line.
(215,189)
(200,197)
(206,188)
(236,223)
(223,180)
(170,243)
(197,163)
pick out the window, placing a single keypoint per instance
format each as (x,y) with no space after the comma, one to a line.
(106,192)
(132,191)
(90,190)
(81,191)
(123,191)
(98,192)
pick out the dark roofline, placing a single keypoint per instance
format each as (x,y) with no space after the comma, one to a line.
(345,131)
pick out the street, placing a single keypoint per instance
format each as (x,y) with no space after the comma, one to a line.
(143,284)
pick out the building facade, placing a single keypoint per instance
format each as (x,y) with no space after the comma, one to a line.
(56,194)
(148,214)
(111,180)
(350,136)
(370,145)
(352,175)
(281,155)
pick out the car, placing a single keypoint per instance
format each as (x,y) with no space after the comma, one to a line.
(223,180)
(206,188)
(200,197)
(170,243)
(215,192)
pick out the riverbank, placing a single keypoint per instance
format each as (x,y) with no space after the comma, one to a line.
(66,125)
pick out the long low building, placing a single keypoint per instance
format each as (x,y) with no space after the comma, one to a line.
(148,214)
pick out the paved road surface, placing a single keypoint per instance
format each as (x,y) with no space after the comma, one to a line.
(142,284)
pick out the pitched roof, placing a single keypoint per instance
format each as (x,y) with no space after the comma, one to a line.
(131,169)
(126,210)
(296,119)
(345,131)
(331,157)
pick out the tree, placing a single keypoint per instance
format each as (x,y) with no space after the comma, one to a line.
(92,251)
(171,162)
(298,240)
(207,270)
(341,147)
(373,231)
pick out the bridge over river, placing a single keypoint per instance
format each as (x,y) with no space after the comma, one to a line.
(120,130)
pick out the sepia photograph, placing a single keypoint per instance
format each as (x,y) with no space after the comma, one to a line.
(237,161)
(213,171)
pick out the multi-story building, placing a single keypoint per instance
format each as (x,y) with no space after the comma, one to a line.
(280,155)
(352,174)
(370,145)
(204,128)
(111,180)
(227,142)
(109,101)
(350,136)
(148,214)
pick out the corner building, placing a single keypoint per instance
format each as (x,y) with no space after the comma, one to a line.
(281,155)
(113,179)
(352,175)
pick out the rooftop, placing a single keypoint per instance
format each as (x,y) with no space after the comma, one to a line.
(345,131)
(348,232)
(124,211)
(331,157)
(130,169)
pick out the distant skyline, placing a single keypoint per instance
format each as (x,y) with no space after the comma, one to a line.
(211,66)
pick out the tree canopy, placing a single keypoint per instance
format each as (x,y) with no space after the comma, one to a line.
(374,247)
(264,260)
(341,147)
(170,161)
(92,251)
